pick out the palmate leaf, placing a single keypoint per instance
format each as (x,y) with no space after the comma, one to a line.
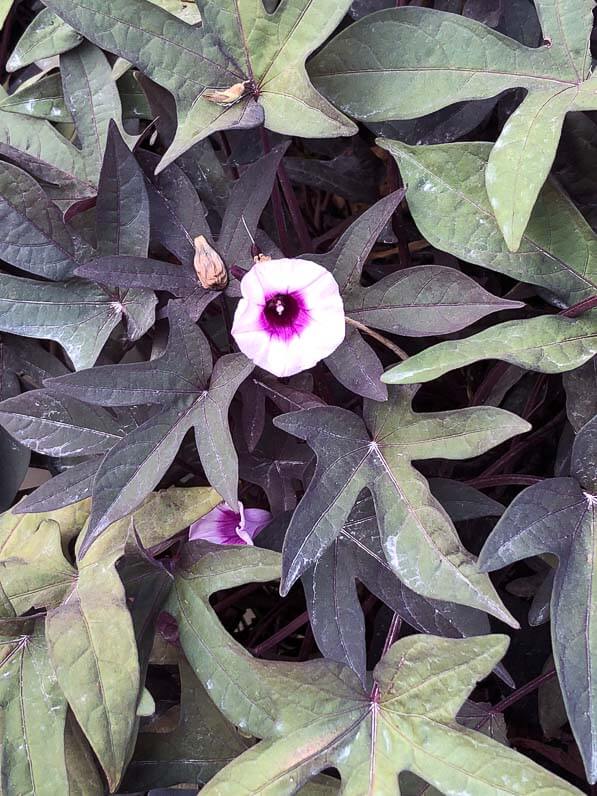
(448,201)
(180,383)
(559,516)
(419,541)
(34,713)
(91,95)
(407,62)
(48,35)
(548,344)
(91,636)
(419,301)
(202,743)
(238,42)
(77,314)
(335,613)
(316,715)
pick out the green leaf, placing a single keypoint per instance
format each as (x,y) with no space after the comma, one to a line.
(17,529)
(419,541)
(548,344)
(239,45)
(408,62)
(449,203)
(92,98)
(316,714)
(38,576)
(77,314)
(521,159)
(94,654)
(202,743)
(558,517)
(46,36)
(34,713)
(40,97)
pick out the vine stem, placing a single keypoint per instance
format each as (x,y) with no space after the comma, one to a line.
(376,336)
(276,200)
(393,631)
(509,479)
(283,633)
(582,306)
(517,695)
(300,226)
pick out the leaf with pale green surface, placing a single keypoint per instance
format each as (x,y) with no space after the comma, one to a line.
(237,42)
(418,538)
(558,516)
(408,62)
(547,344)
(202,743)
(34,716)
(91,636)
(335,612)
(38,576)
(316,714)
(449,203)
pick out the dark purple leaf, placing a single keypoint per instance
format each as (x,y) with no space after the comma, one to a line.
(423,301)
(177,215)
(248,198)
(69,486)
(34,237)
(122,208)
(356,365)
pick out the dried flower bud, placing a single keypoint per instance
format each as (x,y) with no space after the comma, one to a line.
(209,266)
(226,96)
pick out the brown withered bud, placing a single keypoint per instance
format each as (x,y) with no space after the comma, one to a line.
(209,266)
(226,96)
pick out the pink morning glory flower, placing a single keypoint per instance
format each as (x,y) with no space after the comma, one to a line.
(223,525)
(290,315)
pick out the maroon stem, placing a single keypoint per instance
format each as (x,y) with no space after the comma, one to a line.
(483,391)
(528,442)
(283,633)
(509,479)
(582,306)
(395,183)
(393,631)
(276,200)
(517,695)
(300,227)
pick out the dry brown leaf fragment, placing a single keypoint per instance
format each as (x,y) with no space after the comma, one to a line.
(227,96)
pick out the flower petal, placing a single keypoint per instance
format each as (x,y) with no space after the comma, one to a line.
(287,350)
(256,520)
(218,526)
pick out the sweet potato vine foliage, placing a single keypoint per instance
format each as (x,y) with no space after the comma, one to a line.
(298,397)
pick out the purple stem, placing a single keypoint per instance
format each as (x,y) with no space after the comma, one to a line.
(276,201)
(298,221)
(283,633)
(517,695)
